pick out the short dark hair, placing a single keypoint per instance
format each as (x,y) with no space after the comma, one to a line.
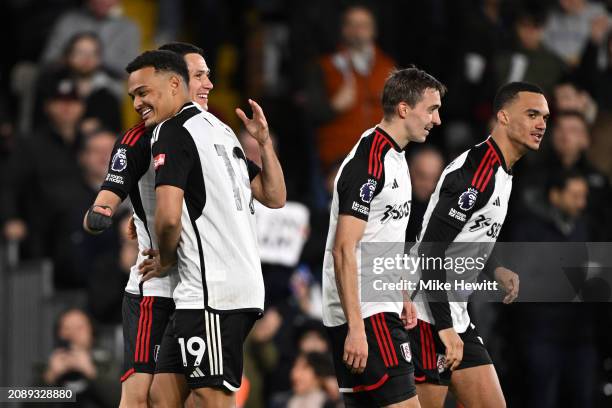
(559,179)
(407,85)
(160,60)
(508,92)
(182,48)
(321,363)
(70,44)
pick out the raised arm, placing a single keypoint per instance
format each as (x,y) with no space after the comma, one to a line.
(269,185)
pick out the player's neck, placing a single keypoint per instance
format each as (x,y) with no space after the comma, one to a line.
(511,152)
(396,131)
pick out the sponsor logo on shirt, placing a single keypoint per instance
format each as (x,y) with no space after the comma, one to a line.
(366,192)
(159,160)
(457,215)
(396,212)
(467,199)
(119,162)
(113,178)
(479,223)
(360,208)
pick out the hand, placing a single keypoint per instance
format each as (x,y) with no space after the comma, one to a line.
(58,366)
(258,126)
(599,28)
(509,282)
(267,326)
(409,315)
(454,347)
(131,229)
(346,96)
(356,350)
(152,268)
(81,361)
(15,230)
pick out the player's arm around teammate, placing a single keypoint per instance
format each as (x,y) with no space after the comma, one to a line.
(268,187)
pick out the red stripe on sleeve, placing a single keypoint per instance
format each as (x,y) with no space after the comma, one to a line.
(137,132)
(379,155)
(380,346)
(484,185)
(127,135)
(372,149)
(136,137)
(485,172)
(482,163)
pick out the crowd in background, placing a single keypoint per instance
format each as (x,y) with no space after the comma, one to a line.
(317,67)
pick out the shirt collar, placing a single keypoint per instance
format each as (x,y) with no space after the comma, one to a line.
(389,138)
(499,153)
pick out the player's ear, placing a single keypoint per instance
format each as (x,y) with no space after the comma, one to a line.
(402,110)
(175,82)
(502,117)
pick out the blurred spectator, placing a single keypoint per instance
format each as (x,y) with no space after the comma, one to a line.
(557,340)
(120,36)
(261,356)
(425,166)
(43,170)
(77,364)
(570,140)
(344,91)
(314,249)
(312,337)
(529,60)
(281,233)
(568,96)
(308,376)
(568,27)
(109,275)
(99,89)
(481,34)
(595,69)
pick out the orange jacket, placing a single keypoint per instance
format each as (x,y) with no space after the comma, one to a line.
(338,136)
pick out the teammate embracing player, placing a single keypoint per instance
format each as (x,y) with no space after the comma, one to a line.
(369,339)
(476,186)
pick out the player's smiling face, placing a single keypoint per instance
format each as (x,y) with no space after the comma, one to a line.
(526,118)
(199,79)
(152,94)
(423,117)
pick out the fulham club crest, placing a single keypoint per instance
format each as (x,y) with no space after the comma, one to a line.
(405,349)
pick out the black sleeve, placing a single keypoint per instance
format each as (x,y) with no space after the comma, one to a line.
(357,185)
(253,169)
(458,200)
(130,160)
(174,154)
